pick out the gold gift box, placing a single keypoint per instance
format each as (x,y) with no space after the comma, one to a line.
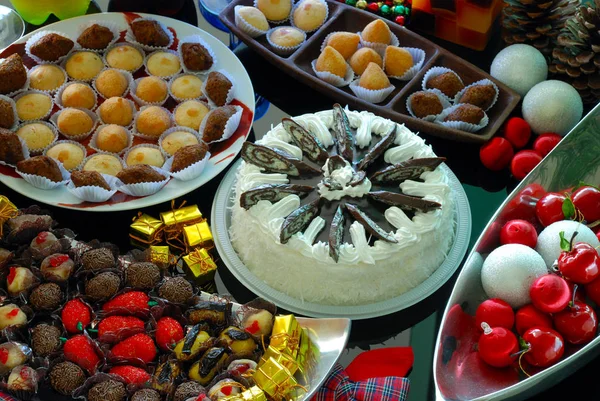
(285,336)
(201,265)
(160,255)
(184,215)
(145,229)
(274,379)
(287,361)
(8,210)
(252,394)
(198,234)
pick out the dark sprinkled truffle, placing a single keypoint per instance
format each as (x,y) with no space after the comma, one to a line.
(46,297)
(187,390)
(98,259)
(109,390)
(45,339)
(146,394)
(65,377)
(177,290)
(103,286)
(142,275)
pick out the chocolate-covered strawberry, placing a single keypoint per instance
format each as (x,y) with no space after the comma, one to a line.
(168,333)
(129,303)
(76,315)
(579,262)
(117,328)
(140,346)
(80,350)
(131,374)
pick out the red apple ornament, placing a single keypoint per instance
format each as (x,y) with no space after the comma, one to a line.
(544,346)
(497,346)
(577,324)
(518,232)
(523,162)
(549,208)
(496,313)
(518,132)
(545,143)
(550,293)
(580,262)
(587,201)
(529,316)
(496,154)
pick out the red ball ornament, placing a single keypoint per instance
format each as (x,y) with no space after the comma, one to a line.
(399,20)
(545,143)
(523,162)
(587,201)
(518,232)
(550,293)
(518,132)
(496,154)
(497,346)
(373,7)
(577,324)
(545,346)
(496,313)
(529,316)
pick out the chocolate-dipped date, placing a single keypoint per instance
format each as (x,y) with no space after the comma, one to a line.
(204,370)
(215,313)
(404,202)
(275,161)
(238,341)
(305,140)
(164,376)
(272,193)
(343,133)
(369,224)
(336,233)
(195,341)
(298,220)
(407,170)
(377,150)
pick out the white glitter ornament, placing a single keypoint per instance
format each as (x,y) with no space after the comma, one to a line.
(548,244)
(520,67)
(552,106)
(508,272)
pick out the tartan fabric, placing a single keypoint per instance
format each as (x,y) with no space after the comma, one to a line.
(6,397)
(339,387)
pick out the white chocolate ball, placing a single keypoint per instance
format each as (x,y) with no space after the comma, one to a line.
(520,67)
(548,245)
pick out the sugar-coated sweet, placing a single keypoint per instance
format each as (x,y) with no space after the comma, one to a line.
(425,104)
(51,47)
(448,82)
(111,83)
(310,14)
(344,42)
(74,122)
(7,114)
(150,32)
(112,138)
(218,87)
(286,36)
(151,89)
(36,135)
(153,121)
(481,96)
(46,77)
(11,149)
(215,125)
(69,154)
(330,60)
(466,113)
(361,59)
(163,64)
(13,354)
(187,87)
(145,155)
(373,78)
(125,57)
(78,95)
(89,179)
(188,155)
(254,17)
(33,106)
(13,74)
(196,57)
(84,66)
(116,110)
(104,164)
(95,37)
(43,245)
(258,323)
(139,173)
(191,113)
(377,31)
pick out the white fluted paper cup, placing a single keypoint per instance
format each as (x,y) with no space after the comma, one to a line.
(461,125)
(432,117)
(190,172)
(145,188)
(96,194)
(44,183)
(333,79)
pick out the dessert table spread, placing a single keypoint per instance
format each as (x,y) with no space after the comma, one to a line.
(485,189)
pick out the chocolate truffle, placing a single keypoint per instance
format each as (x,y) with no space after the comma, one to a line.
(449,83)
(45,339)
(46,297)
(481,96)
(44,244)
(25,227)
(196,57)
(41,165)
(95,37)
(466,113)
(51,47)
(177,290)
(139,173)
(146,394)
(188,155)
(65,377)
(109,390)
(186,390)
(215,123)
(150,32)
(142,275)
(217,88)
(7,114)
(13,74)
(22,379)
(89,179)
(11,150)
(57,267)
(98,259)
(103,286)
(425,104)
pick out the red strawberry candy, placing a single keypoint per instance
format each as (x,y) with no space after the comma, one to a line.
(168,333)
(118,328)
(141,346)
(518,132)
(80,350)
(131,374)
(75,316)
(129,303)
(496,154)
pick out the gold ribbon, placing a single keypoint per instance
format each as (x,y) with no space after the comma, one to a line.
(199,257)
(174,232)
(7,211)
(275,380)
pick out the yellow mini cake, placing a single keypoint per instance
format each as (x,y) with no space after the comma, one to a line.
(151,89)
(46,77)
(116,110)
(344,42)
(84,66)
(330,60)
(397,61)
(111,83)
(112,138)
(361,59)
(125,57)
(377,31)
(145,155)
(153,121)
(275,10)
(74,122)
(33,106)
(374,78)
(177,140)
(191,113)
(36,135)
(310,14)
(104,164)
(69,154)
(78,95)
(287,36)
(163,64)
(254,17)
(187,87)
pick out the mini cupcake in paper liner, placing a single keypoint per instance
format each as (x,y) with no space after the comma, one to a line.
(94,140)
(86,78)
(146,188)
(130,37)
(179,123)
(231,125)
(112,26)
(136,132)
(276,22)
(44,183)
(15,116)
(90,193)
(284,50)
(192,171)
(142,102)
(298,4)
(370,95)
(77,137)
(35,135)
(461,125)
(108,102)
(230,93)
(244,26)
(34,39)
(379,47)
(432,117)
(482,100)
(27,107)
(177,128)
(126,74)
(76,166)
(200,95)
(168,76)
(48,91)
(418,56)
(58,97)
(196,39)
(156,160)
(333,79)
(134,67)
(434,72)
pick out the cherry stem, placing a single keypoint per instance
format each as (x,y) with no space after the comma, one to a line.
(524,350)
(521,365)
(572,240)
(486,328)
(575,288)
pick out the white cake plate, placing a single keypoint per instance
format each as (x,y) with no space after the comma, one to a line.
(221,221)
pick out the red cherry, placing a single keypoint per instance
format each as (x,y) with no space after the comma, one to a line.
(523,162)
(587,200)
(545,143)
(580,291)
(545,346)
(593,291)
(518,232)
(549,208)
(522,206)
(518,132)
(579,263)
(550,293)
(497,346)
(496,313)
(496,154)
(577,324)
(41,237)
(529,316)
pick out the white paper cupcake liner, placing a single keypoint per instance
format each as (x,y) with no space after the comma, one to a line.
(190,172)
(141,101)
(142,145)
(244,26)
(379,47)
(94,144)
(84,162)
(295,6)
(461,125)
(114,28)
(146,188)
(230,127)
(127,76)
(44,183)
(145,136)
(181,99)
(75,143)
(166,77)
(130,37)
(33,39)
(418,56)
(15,123)
(95,194)
(49,91)
(45,116)
(484,81)
(333,79)
(39,151)
(284,50)
(138,48)
(93,116)
(63,64)
(369,95)
(432,117)
(208,106)
(196,39)
(434,72)
(276,22)
(26,154)
(58,96)
(176,129)
(230,94)
(133,108)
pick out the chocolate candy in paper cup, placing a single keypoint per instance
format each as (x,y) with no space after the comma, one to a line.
(370,95)
(25,105)
(190,172)
(145,188)
(31,130)
(64,127)
(75,99)
(244,26)
(461,125)
(483,94)
(428,93)
(56,151)
(197,54)
(215,128)
(131,38)
(333,79)
(90,193)
(219,88)
(284,50)
(418,57)
(15,117)
(24,149)
(39,35)
(41,182)
(435,72)
(25,85)
(98,48)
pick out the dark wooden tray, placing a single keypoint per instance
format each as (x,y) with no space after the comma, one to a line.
(350,19)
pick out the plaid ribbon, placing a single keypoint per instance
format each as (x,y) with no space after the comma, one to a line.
(339,387)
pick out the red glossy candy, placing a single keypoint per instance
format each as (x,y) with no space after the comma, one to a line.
(496,313)
(497,346)
(550,293)
(587,200)
(581,264)
(549,208)
(518,132)
(546,346)
(522,206)
(577,324)
(58,260)
(518,232)
(373,7)
(400,20)
(496,154)
(523,162)
(592,290)
(545,143)
(529,316)
(11,275)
